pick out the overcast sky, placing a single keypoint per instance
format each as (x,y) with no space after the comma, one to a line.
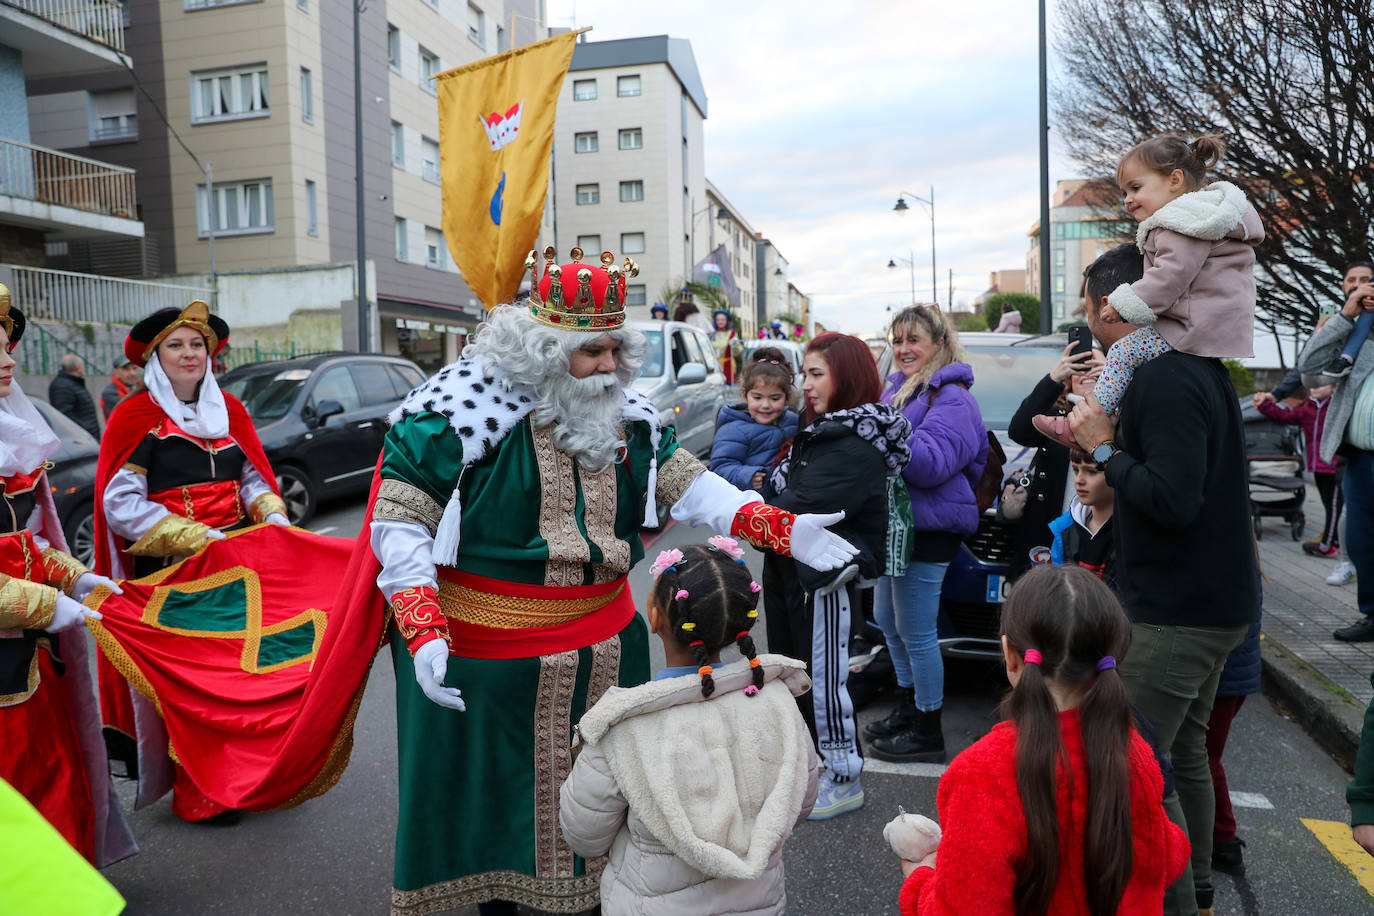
(820,115)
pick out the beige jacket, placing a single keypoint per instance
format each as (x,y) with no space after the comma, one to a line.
(1199,284)
(693,797)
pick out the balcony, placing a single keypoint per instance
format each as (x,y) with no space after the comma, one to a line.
(61,295)
(65,37)
(66,196)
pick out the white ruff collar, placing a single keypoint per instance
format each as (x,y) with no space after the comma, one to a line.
(25,439)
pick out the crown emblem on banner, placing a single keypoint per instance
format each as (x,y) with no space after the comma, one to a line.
(503,129)
(579,296)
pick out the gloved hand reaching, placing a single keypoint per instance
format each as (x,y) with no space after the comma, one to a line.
(818,548)
(431,664)
(69,613)
(89,582)
(276,518)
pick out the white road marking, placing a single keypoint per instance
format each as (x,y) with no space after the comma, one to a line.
(326,529)
(933,770)
(1251,800)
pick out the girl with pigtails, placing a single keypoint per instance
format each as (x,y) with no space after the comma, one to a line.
(1059,808)
(692,781)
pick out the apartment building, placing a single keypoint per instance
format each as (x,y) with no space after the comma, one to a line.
(730,229)
(261,92)
(1085,221)
(770,280)
(628,164)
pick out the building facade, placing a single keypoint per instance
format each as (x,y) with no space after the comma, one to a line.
(1085,221)
(628,165)
(1003,281)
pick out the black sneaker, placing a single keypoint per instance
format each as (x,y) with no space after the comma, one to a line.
(1363,631)
(1228,858)
(1337,369)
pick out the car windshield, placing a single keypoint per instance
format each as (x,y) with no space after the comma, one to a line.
(266,395)
(1002,377)
(653,355)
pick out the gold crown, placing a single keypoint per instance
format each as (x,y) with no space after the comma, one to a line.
(578,296)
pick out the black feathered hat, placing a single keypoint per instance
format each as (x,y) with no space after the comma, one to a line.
(151,331)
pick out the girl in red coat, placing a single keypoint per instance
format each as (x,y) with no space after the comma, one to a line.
(1058,809)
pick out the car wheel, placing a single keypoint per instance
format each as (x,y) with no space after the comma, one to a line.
(79,529)
(298,493)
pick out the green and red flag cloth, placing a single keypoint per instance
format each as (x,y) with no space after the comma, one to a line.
(255,651)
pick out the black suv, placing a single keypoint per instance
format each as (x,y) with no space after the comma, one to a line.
(72,479)
(321,419)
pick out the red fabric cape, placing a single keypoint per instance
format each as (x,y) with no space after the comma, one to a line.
(262,740)
(135,416)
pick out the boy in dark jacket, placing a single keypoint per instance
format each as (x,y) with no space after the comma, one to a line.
(1083,535)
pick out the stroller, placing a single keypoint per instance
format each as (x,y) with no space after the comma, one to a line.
(1274,466)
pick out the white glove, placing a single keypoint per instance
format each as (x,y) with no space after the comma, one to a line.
(69,613)
(214,534)
(431,664)
(88,582)
(276,518)
(818,548)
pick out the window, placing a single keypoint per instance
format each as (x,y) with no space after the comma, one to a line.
(374,384)
(632,138)
(207,4)
(635,294)
(588,194)
(241,207)
(627,85)
(336,384)
(631,191)
(477,26)
(434,247)
(222,95)
(429,159)
(1059,257)
(1059,283)
(402,240)
(307,97)
(393,47)
(584,90)
(312,225)
(631,243)
(585,143)
(429,66)
(303,5)
(112,115)
(591,244)
(404,378)
(398,145)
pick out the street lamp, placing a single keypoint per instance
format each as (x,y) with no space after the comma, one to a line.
(910,263)
(721,214)
(901,207)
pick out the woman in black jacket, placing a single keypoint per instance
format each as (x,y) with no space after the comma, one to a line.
(1048,473)
(839,462)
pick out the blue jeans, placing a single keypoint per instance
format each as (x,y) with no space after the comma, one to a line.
(1357,337)
(1358,487)
(906,607)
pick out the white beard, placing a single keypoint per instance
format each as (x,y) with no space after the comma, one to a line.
(586,417)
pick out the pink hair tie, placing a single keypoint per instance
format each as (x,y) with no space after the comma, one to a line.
(681,593)
(1033,657)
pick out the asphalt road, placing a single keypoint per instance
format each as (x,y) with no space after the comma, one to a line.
(333,855)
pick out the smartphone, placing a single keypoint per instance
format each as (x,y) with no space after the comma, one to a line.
(1082,337)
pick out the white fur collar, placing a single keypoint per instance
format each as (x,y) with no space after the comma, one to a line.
(482,407)
(1209,214)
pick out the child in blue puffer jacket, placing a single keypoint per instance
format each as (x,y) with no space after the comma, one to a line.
(750,436)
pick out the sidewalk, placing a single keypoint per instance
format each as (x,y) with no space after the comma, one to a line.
(1323,682)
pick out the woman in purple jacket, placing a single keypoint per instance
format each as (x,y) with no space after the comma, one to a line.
(949,446)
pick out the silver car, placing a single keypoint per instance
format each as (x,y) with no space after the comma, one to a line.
(683,379)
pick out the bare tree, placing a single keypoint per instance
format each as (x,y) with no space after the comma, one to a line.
(1289,84)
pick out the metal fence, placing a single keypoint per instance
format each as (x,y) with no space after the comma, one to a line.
(40,352)
(52,177)
(61,295)
(98,20)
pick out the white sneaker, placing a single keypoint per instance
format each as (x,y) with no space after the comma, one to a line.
(1343,573)
(836,798)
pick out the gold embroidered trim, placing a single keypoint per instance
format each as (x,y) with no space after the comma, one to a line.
(599,495)
(265,505)
(675,475)
(137,469)
(551,895)
(605,671)
(398,501)
(553,858)
(171,536)
(14,699)
(63,569)
(568,550)
(509,612)
(25,605)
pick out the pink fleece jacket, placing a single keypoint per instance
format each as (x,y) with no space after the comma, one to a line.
(1311,416)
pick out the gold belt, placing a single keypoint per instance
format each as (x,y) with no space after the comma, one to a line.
(509,612)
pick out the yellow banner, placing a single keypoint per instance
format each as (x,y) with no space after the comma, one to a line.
(496,121)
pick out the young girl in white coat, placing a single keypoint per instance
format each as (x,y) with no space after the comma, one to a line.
(692,781)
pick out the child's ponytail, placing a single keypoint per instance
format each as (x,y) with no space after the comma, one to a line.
(1167,152)
(1069,626)
(1208,150)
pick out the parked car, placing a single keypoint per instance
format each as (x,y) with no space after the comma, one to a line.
(683,379)
(72,479)
(321,419)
